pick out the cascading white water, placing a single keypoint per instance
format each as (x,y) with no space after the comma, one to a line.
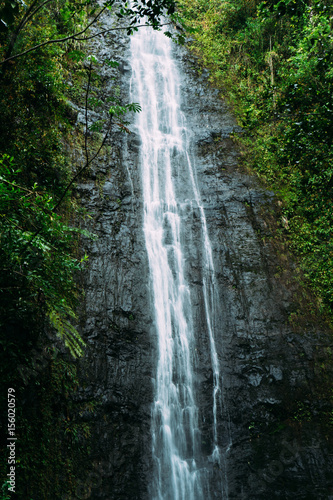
(180,472)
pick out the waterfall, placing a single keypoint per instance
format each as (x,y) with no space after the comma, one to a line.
(169,192)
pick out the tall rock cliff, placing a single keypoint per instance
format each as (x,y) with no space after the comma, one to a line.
(274,441)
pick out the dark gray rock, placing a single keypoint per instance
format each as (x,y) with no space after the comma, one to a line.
(266,366)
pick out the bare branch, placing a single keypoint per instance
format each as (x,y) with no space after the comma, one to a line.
(85,166)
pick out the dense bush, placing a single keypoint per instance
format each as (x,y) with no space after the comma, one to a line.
(38,245)
(42,65)
(274,63)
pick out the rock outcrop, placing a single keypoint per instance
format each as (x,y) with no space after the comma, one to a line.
(275,444)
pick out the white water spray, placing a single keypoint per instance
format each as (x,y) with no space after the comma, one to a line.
(180,470)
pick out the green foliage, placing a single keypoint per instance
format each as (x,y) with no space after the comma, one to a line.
(43,64)
(4,495)
(36,258)
(274,62)
(118,109)
(151,11)
(8,12)
(38,244)
(67,332)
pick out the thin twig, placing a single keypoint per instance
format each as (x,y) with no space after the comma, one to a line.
(88,162)
(86,113)
(13,223)
(16,185)
(85,166)
(114,29)
(10,287)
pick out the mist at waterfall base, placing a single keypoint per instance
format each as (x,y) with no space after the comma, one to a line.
(182,470)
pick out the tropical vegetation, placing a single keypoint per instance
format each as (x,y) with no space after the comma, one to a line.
(44,67)
(273,61)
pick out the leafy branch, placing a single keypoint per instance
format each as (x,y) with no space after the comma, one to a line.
(75,36)
(151,11)
(34,229)
(47,42)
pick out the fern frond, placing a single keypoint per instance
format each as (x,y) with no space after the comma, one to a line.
(67,333)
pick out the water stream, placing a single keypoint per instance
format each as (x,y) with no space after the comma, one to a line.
(170,192)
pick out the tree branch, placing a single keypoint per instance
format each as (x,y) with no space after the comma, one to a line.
(74,37)
(57,40)
(114,29)
(86,114)
(17,31)
(81,170)
(26,19)
(16,185)
(88,162)
(26,15)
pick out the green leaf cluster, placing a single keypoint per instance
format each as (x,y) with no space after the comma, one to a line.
(39,256)
(273,61)
(43,66)
(36,257)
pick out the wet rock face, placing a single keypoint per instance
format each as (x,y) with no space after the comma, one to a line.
(116,319)
(118,364)
(265,366)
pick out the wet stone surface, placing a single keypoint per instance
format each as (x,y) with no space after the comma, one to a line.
(265,365)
